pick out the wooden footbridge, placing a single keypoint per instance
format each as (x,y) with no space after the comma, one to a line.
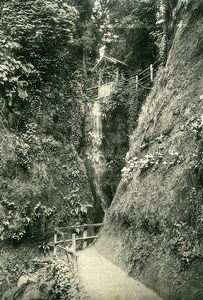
(72,238)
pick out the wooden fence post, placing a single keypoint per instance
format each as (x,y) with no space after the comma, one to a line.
(136,83)
(84,236)
(69,257)
(55,241)
(151,73)
(74,251)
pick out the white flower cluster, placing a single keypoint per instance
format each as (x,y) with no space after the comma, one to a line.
(197,125)
(148,161)
(127,172)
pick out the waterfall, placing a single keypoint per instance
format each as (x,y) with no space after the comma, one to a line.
(94,153)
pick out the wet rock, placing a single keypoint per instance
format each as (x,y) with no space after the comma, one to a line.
(24,279)
(9,295)
(31,293)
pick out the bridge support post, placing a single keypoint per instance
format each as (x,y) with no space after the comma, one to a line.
(74,251)
(84,237)
(55,243)
(151,73)
(136,83)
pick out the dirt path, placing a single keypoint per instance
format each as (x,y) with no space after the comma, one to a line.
(102,280)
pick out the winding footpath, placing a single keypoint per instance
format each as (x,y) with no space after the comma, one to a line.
(102,280)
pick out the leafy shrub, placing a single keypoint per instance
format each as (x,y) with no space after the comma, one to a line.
(65,284)
(44,248)
(18,223)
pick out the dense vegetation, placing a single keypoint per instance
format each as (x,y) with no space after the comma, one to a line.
(47,51)
(42,108)
(43,181)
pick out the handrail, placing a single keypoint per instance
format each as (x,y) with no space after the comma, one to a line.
(77,239)
(148,75)
(148,67)
(71,251)
(143,71)
(78,226)
(140,79)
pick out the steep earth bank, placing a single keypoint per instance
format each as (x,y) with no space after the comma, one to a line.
(154,226)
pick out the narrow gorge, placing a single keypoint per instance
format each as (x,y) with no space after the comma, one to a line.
(101,125)
(153,228)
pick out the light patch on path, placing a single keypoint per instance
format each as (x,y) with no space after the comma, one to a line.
(102,280)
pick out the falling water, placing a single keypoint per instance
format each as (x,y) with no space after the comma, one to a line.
(94,151)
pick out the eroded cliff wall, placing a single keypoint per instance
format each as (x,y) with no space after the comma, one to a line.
(154,226)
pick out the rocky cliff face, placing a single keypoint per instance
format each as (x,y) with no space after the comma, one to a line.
(154,225)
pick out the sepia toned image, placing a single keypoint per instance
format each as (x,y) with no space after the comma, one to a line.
(101,149)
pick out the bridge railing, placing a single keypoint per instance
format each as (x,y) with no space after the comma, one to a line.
(142,80)
(63,243)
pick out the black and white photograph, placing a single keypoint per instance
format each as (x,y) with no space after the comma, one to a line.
(101,149)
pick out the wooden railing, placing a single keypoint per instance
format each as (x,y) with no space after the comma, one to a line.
(142,80)
(62,243)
